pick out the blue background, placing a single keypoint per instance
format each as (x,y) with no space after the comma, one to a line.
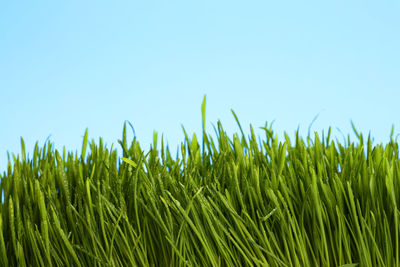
(68,65)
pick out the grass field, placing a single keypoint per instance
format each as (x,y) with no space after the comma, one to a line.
(224,201)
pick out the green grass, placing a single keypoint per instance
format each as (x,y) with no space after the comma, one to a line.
(222,202)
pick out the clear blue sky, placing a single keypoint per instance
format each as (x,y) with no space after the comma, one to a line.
(68,65)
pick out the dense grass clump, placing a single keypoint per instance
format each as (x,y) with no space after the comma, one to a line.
(224,202)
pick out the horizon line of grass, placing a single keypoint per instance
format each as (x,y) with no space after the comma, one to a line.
(237,201)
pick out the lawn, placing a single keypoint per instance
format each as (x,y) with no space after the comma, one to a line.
(222,201)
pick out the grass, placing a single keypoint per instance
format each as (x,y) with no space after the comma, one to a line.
(222,202)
